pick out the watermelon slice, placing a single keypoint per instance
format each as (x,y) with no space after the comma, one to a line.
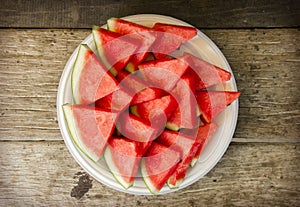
(138,88)
(203,134)
(170,37)
(205,74)
(114,49)
(90,79)
(131,82)
(90,128)
(163,73)
(135,128)
(122,158)
(147,94)
(116,101)
(212,103)
(140,32)
(185,116)
(158,164)
(187,146)
(157,111)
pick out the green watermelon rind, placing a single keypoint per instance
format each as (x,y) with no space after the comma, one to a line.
(77,70)
(194,161)
(110,24)
(146,179)
(72,126)
(100,50)
(112,168)
(176,186)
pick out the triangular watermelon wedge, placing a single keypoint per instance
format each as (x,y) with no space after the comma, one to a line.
(90,128)
(204,134)
(187,146)
(205,74)
(157,165)
(170,37)
(135,128)
(157,110)
(147,94)
(122,158)
(114,49)
(212,103)
(116,101)
(185,116)
(140,32)
(163,73)
(90,79)
(138,88)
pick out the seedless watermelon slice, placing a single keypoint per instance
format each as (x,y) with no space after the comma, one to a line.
(157,110)
(163,73)
(117,101)
(140,32)
(187,146)
(114,49)
(122,158)
(170,37)
(212,103)
(185,116)
(138,88)
(90,128)
(205,74)
(157,166)
(90,78)
(135,128)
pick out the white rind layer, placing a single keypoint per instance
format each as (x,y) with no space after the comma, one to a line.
(75,134)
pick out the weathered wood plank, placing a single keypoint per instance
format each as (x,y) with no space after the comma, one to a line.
(265,63)
(203,14)
(248,175)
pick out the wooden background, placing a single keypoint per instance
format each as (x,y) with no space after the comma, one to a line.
(261,41)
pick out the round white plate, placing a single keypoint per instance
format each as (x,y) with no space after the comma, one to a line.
(213,151)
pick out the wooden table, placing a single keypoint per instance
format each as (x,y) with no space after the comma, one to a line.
(261,41)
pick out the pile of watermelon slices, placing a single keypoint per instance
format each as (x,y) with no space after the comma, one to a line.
(139,107)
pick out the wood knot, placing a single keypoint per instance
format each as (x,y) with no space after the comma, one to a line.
(84,184)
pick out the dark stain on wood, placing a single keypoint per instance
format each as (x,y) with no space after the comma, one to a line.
(84,184)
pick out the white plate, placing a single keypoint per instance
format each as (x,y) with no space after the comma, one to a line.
(214,150)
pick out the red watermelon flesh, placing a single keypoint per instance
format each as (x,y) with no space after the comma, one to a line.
(114,49)
(185,116)
(158,164)
(130,82)
(135,128)
(138,88)
(155,109)
(163,73)
(122,157)
(206,74)
(170,37)
(116,101)
(188,147)
(176,141)
(203,134)
(147,94)
(90,128)
(140,32)
(212,103)
(90,79)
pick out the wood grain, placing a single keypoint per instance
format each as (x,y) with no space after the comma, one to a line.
(265,64)
(203,14)
(248,175)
